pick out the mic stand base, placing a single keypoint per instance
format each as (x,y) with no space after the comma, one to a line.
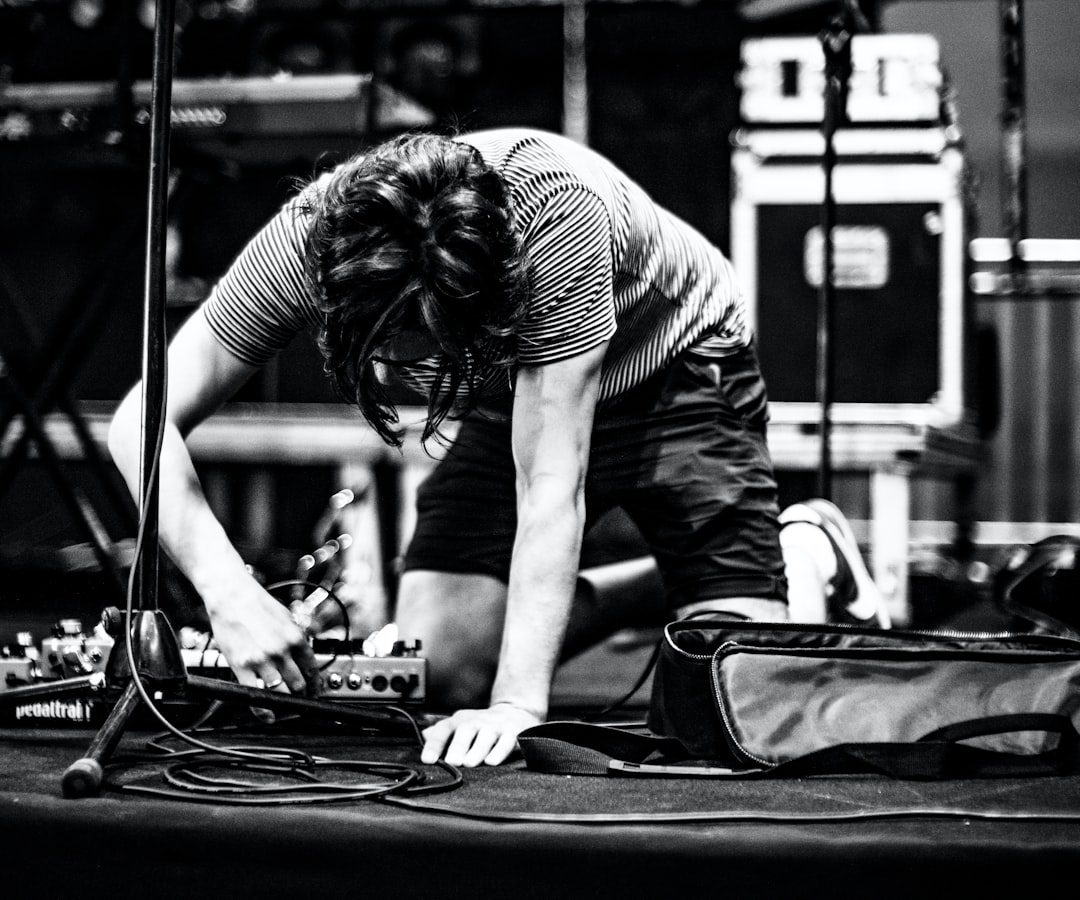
(85,776)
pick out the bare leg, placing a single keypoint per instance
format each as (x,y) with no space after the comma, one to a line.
(459,619)
(625,594)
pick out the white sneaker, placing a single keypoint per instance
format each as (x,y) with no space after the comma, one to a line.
(853,597)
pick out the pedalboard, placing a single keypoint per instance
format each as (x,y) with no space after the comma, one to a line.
(347,674)
(66,653)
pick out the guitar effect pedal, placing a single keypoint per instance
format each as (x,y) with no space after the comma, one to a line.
(69,652)
(346,673)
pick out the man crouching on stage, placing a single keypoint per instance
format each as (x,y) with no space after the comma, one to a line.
(597,352)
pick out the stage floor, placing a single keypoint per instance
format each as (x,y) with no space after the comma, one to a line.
(510,832)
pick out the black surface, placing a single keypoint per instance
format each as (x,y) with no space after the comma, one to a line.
(899,322)
(122,844)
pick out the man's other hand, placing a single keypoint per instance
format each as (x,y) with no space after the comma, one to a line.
(473,736)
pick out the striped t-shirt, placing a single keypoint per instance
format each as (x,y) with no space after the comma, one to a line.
(606,262)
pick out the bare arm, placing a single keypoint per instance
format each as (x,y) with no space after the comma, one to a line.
(254,631)
(552,425)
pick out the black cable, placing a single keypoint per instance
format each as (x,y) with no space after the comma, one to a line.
(638,684)
(205,648)
(330,595)
(184,773)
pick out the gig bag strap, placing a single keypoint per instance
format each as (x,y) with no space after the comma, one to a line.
(577,748)
(939,755)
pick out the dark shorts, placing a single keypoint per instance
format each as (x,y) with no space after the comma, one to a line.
(684,455)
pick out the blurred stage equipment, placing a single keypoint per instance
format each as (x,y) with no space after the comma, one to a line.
(247,119)
(763,10)
(1013,124)
(27,388)
(892,388)
(1040,583)
(429,57)
(1038,268)
(900,318)
(830,105)
(214,121)
(1018,267)
(575,71)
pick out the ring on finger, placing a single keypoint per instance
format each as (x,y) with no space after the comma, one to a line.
(277,682)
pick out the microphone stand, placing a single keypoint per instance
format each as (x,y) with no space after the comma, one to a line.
(836,43)
(146,647)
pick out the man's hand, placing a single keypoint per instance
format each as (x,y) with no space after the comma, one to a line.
(474,736)
(260,640)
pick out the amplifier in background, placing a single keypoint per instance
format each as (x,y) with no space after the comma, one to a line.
(900,315)
(895,78)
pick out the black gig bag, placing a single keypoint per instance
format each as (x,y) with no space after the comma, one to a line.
(751,699)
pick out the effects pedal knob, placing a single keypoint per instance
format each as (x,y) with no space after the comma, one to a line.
(112,620)
(333,681)
(354,681)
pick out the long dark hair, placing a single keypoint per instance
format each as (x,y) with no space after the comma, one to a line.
(416,234)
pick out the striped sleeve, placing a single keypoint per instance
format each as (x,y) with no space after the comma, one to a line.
(261,302)
(569,248)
